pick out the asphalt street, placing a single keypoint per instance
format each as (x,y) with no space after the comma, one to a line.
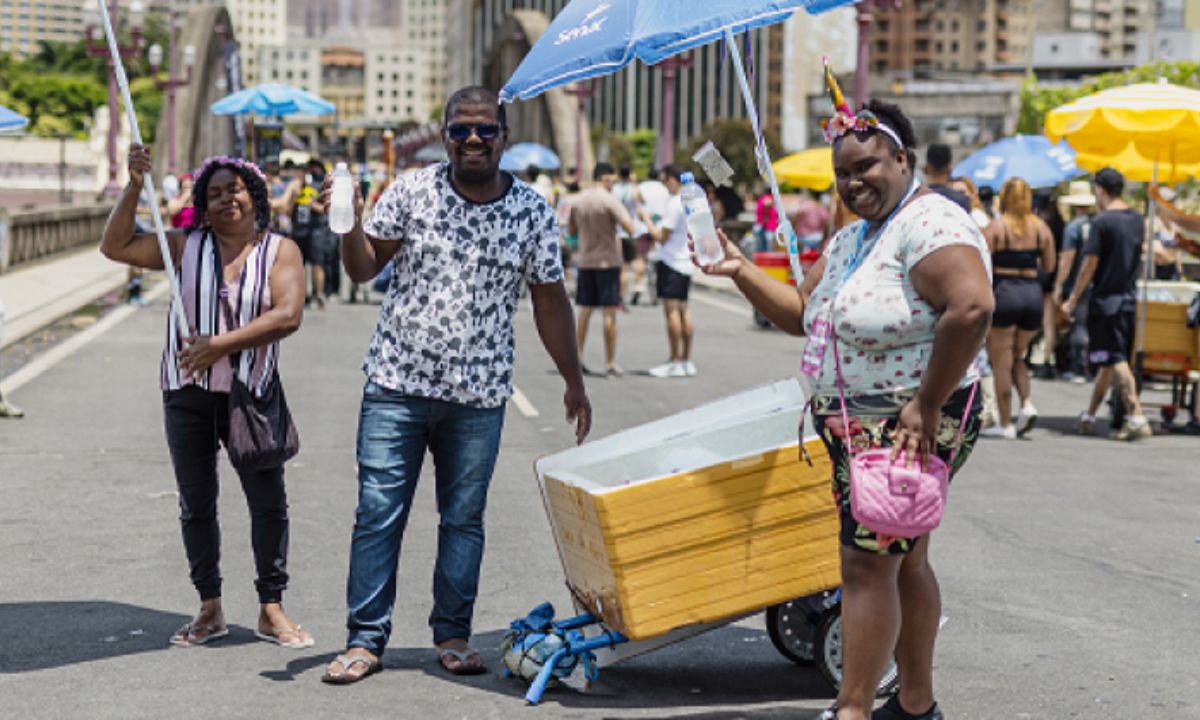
(1070,567)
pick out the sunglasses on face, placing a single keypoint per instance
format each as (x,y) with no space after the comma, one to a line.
(459,132)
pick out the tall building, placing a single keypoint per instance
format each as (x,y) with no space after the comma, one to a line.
(632,99)
(425,24)
(396,87)
(926,37)
(295,64)
(257,23)
(23,23)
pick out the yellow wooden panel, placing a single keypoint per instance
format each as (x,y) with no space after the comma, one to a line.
(700,546)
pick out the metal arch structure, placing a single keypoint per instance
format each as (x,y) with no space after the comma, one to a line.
(550,118)
(199,133)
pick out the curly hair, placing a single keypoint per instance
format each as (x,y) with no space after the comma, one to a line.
(892,116)
(256,185)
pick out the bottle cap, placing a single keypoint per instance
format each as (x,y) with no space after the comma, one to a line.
(686,178)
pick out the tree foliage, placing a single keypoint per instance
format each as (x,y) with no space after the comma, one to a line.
(1038,100)
(736,141)
(60,87)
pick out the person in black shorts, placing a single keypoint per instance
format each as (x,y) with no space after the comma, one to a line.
(595,216)
(1021,246)
(1112,254)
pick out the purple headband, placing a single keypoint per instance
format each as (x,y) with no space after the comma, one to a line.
(227,161)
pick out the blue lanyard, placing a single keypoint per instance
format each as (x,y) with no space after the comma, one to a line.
(863,246)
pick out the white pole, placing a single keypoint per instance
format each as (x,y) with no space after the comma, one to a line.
(136,137)
(764,159)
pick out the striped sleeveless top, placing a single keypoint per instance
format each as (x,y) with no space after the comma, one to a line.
(200,280)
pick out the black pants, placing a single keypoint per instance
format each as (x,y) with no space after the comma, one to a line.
(197,421)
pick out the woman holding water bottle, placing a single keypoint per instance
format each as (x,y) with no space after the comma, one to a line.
(896,312)
(242,291)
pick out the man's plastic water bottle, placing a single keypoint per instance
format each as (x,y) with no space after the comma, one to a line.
(700,221)
(341,203)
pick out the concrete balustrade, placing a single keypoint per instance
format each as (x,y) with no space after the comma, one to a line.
(36,234)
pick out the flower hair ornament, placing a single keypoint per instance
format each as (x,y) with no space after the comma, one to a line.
(845,120)
(220,161)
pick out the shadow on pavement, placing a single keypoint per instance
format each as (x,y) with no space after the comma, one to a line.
(727,666)
(42,635)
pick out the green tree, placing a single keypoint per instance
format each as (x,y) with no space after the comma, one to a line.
(736,141)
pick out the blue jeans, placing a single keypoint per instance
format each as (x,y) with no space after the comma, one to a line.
(394,432)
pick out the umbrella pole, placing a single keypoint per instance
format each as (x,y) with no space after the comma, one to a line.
(764,159)
(1147,276)
(136,136)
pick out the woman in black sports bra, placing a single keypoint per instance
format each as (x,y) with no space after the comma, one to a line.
(1021,245)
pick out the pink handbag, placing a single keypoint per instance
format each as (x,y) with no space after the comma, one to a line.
(888,497)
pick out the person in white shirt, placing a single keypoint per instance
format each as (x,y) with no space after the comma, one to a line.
(673,277)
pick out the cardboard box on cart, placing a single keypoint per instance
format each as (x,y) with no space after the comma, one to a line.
(707,515)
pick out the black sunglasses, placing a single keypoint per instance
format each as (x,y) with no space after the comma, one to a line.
(459,132)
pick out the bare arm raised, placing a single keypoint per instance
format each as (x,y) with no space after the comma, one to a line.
(121,242)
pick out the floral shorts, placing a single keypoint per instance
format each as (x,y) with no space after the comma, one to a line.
(872,418)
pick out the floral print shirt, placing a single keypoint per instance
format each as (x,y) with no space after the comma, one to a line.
(884,328)
(445,330)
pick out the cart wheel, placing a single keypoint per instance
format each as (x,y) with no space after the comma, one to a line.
(829,655)
(761,320)
(792,627)
(1168,414)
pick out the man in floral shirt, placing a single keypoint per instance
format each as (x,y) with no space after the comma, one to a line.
(463,237)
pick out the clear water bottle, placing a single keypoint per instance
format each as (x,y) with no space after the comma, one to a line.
(700,221)
(341,202)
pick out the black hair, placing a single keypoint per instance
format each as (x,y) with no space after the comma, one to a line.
(602,169)
(532,172)
(672,171)
(475,94)
(1110,181)
(939,157)
(623,172)
(652,174)
(892,116)
(254,185)
(572,187)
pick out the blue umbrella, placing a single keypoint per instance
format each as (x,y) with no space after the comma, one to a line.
(1032,158)
(273,100)
(590,38)
(10,120)
(522,155)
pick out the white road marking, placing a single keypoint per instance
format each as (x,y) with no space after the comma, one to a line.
(68,347)
(743,310)
(523,405)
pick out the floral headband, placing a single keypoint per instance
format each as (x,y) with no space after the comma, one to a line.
(845,120)
(220,161)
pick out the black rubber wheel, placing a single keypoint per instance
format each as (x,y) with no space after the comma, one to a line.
(828,655)
(761,320)
(792,627)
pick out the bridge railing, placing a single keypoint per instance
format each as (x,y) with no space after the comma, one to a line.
(31,235)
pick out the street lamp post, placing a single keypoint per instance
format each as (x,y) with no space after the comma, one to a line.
(670,69)
(94,49)
(582,91)
(865,17)
(172,81)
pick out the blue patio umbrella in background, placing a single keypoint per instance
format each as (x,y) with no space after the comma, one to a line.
(520,156)
(11,121)
(1032,158)
(273,100)
(591,38)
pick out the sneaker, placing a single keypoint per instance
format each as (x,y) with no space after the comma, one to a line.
(1132,431)
(678,369)
(10,411)
(588,372)
(1026,419)
(614,371)
(1085,425)
(662,371)
(1000,432)
(892,710)
(830,713)
(689,368)
(637,295)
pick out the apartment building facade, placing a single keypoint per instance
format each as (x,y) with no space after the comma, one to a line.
(24,23)
(927,37)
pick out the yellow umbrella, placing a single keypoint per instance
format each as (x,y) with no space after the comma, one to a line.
(1134,166)
(1138,125)
(811,169)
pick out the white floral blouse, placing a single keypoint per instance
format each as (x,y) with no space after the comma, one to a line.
(884,329)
